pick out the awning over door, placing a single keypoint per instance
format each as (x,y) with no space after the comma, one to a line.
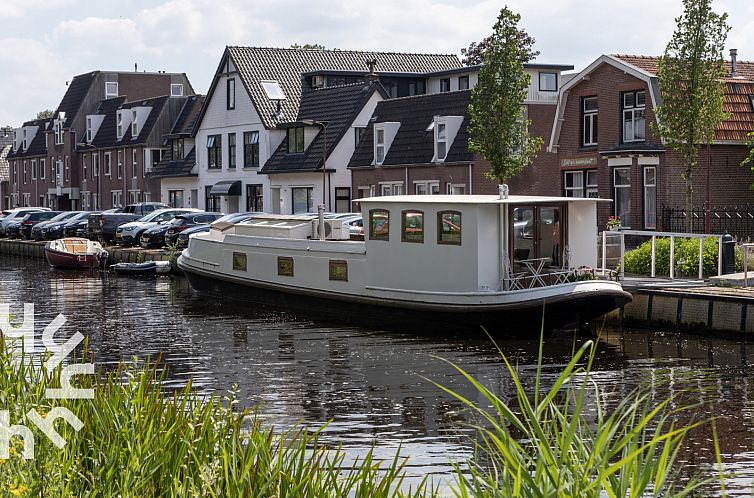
(226,187)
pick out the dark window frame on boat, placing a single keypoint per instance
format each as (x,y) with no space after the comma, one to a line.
(444,236)
(412,234)
(338,270)
(382,232)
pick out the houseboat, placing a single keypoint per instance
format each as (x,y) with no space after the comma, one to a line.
(507,263)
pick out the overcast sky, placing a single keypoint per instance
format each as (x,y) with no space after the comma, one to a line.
(44,43)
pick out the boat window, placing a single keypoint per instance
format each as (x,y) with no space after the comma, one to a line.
(412,226)
(449,227)
(285,266)
(239,261)
(379,224)
(339,270)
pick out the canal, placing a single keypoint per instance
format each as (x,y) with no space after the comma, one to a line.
(376,387)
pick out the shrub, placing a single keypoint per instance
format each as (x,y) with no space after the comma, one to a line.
(686,253)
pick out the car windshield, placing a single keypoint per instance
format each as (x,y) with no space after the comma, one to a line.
(79,216)
(151,216)
(62,216)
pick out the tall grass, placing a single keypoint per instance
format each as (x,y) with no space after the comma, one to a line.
(564,441)
(140,441)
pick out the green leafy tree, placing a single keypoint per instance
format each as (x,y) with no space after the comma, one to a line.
(690,73)
(498,125)
(749,161)
(47,113)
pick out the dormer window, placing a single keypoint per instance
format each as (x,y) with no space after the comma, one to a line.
(445,84)
(379,145)
(633,116)
(88,129)
(318,81)
(58,131)
(296,139)
(548,82)
(119,128)
(463,82)
(176,90)
(25,144)
(134,125)
(442,142)
(111,89)
(177,148)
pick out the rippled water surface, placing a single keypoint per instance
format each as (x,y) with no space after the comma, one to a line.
(375,387)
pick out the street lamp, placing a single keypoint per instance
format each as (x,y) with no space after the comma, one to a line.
(323,126)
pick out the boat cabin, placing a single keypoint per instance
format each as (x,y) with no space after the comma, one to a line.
(473,243)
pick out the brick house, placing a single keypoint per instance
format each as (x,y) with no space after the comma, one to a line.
(422,145)
(4,176)
(607,148)
(52,146)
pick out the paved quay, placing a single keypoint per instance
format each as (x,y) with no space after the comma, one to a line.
(35,250)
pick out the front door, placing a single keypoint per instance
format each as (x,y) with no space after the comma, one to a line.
(537,234)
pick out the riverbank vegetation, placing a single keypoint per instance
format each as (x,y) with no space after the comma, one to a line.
(685,256)
(139,440)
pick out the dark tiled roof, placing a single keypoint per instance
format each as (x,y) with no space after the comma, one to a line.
(169,168)
(413,144)
(737,91)
(37,147)
(338,107)
(186,120)
(287,65)
(107,134)
(75,95)
(4,167)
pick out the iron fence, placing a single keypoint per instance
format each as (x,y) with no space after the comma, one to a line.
(735,220)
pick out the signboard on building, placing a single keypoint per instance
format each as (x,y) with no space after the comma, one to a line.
(578,162)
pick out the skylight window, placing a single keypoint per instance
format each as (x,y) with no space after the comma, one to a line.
(273,90)
(751,102)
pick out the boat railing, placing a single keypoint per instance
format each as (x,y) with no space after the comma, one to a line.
(653,235)
(532,279)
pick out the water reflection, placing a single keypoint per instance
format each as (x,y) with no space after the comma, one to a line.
(376,387)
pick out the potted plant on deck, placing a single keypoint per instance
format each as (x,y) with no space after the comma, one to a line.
(614,224)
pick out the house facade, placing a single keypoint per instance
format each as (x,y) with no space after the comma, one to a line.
(419,144)
(51,152)
(606,146)
(6,140)
(255,98)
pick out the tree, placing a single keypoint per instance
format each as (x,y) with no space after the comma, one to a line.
(474,54)
(690,73)
(749,161)
(47,113)
(498,126)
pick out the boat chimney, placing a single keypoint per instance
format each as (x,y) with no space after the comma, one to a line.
(503,190)
(321,225)
(733,62)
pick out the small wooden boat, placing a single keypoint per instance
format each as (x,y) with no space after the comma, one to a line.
(75,252)
(146,268)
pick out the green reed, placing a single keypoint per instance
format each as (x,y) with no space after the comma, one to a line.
(565,442)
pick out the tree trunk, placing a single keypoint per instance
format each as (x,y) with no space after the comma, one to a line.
(689,198)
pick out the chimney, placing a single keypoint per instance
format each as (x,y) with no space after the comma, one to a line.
(733,54)
(136,67)
(371,77)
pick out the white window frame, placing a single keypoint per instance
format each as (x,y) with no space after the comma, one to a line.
(634,113)
(441,137)
(116,198)
(391,188)
(86,200)
(590,122)
(592,184)
(133,196)
(134,163)
(42,168)
(134,125)
(95,202)
(379,145)
(176,89)
(119,125)
(650,199)
(59,171)
(83,167)
(427,187)
(576,188)
(27,199)
(25,144)
(58,132)
(95,165)
(33,169)
(109,164)
(111,89)
(618,194)
(453,188)
(88,129)
(119,169)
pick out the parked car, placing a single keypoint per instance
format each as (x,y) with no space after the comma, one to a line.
(104,226)
(17,214)
(37,231)
(32,219)
(355,228)
(13,229)
(53,231)
(153,236)
(79,227)
(184,221)
(183,237)
(130,233)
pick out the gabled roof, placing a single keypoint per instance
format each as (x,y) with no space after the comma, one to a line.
(172,168)
(413,144)
(37,147)
(75,95)
(338,107)
(255,64)
(4,166)
(187,117)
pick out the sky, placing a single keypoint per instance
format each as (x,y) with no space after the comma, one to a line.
(44,43)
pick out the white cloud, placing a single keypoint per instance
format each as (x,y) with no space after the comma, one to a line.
(15,8)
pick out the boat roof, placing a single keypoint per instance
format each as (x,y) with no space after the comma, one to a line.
(476,199)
